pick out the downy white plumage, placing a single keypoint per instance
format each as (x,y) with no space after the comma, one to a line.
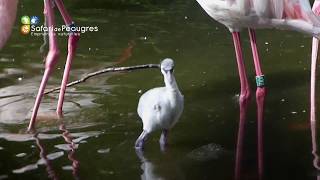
(161,107)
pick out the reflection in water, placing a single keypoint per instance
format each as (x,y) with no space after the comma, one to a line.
(314,147)
(73,146)
(147,166)
(46,159)
(166,169)
(71,155)
(241,133)
(240,139)
(43,156)
(260,98)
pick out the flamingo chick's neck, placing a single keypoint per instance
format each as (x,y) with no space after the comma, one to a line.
(170,81)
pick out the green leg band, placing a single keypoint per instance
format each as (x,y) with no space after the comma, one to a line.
(260,80)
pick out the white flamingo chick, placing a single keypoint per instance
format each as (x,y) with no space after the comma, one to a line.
(161,107)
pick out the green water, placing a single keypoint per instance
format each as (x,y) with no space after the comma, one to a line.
(101,113)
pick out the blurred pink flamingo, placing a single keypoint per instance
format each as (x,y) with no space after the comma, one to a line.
(8,10)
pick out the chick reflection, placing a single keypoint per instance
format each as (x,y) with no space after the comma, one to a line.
(260,98)
(164,168)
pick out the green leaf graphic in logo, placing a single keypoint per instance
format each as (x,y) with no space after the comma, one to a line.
(25,20)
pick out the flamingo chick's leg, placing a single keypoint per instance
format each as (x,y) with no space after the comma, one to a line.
(72,45)
(51,60)
(164,139)
(245,88)
(260,98)
(141,140)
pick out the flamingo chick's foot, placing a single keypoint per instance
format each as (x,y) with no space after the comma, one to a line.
(141,140)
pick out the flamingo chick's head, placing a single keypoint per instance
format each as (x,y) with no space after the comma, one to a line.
(167,67)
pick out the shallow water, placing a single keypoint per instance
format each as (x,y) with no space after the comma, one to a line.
(101,118)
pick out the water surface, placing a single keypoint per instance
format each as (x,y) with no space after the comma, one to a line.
(100,115)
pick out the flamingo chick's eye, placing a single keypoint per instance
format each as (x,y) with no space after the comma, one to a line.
(168,70)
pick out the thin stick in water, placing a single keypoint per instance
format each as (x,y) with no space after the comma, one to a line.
(106,70)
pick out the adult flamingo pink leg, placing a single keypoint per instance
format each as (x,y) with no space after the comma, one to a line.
(245,92)
(260,97)
(313,117)
(53,55)
(245,88)
(314,57)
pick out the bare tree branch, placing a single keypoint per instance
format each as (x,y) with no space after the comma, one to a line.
(106,70)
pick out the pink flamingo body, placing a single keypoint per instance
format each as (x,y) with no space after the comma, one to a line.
(284,14)
(8,10)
